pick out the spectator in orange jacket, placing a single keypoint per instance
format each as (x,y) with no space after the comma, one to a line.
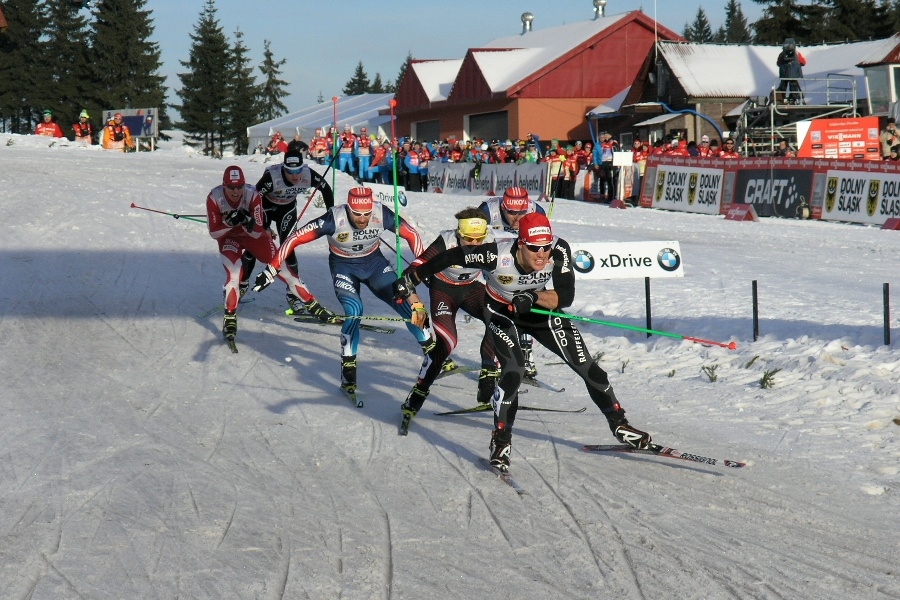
(116,135)
(47,127)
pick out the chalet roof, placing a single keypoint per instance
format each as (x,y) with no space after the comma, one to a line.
(739,71)
(436,76)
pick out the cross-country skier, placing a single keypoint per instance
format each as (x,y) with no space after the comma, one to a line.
(505,214)
(279,187)
(354,235)
(235,220)
(449,290)
(517,272)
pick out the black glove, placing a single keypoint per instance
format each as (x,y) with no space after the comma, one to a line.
(247,220)
(522,302)
(265,278)
(232,219)
(403,288)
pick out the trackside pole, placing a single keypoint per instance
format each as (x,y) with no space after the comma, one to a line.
(755,312)
(886,292)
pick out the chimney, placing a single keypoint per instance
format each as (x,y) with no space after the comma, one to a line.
(527,18)
(599,8)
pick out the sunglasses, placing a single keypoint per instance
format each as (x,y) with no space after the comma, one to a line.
(729,143)
(474,240)
(293,171)
(356,213)
(536,248)
(234,187)
(515,213)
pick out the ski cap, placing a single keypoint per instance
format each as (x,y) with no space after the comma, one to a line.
(47,113)
(515,199)
(534,228)
(474,227)
(84,115)
(233,176)
(293,159)
(359,199)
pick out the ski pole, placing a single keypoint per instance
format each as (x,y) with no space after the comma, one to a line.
(392,103)
(730,345)
(399,271)
(318,188)
(176,215)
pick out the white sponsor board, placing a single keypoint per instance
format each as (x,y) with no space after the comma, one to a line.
(626,260)
(861,197)
(688,189)
(385,194)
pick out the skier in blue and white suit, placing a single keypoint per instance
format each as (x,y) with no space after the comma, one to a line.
(354,235)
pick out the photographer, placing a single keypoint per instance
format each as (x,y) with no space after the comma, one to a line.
(789,70)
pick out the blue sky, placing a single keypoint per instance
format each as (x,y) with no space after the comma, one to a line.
(324,40)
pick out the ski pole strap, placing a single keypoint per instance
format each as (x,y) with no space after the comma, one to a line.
(730,345)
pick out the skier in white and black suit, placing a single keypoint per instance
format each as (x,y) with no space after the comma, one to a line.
(517,272)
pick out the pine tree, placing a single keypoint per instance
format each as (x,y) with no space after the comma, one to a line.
(852,20)
(272,88)
(244,100)
(204,93)
(392,88)
(67,79)
(700,30)
(377,87)
(737,30)
(784,19)
(21,84)
(124,62)
(359,84)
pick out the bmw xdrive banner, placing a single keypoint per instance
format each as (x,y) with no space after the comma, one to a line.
(625,260)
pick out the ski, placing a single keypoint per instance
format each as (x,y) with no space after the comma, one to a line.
(221,307)
(484,407)
(231,345)
(657,450)
(504,476)
(363,326)
(543,385)
(459,369)
(350,392)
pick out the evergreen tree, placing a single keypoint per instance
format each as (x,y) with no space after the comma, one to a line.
(272,88)
(66,79)
(244,100)
(852,20)
(204,93)
(789,19)
(124,62)
(700,30)
(21,85)
(392,89)
(359,84)
(377,87)
(737,30)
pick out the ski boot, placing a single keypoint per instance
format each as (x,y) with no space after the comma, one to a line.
(229,325)
(624,432)
(487,381)
(320,312)
(348,373)
(295,305)
(414,402)
(449,366)
(527,342)
(243,287)
(501,445)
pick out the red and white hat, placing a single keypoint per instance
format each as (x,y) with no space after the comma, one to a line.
(515,199)
(534,228)
(359,199)
(233,176)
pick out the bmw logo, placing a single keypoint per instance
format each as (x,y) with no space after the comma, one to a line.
(401,198)
(668,259)
(584,261)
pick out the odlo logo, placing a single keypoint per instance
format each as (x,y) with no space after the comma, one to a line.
(872,199)
(692,188)
(831,193)
(660,185)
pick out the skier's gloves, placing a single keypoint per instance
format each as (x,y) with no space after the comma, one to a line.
(265,278)
(419,315)
(403,288)
(232,219)
(247,220)
(522,302)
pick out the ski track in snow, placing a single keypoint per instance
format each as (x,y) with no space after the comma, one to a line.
(141,459)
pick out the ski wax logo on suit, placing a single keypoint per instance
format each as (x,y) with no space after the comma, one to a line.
(584,261)
(872,200)
(668,259)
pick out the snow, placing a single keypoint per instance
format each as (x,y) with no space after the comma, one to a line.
(141,459)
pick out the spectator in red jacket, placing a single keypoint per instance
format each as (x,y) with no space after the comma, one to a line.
(47,127)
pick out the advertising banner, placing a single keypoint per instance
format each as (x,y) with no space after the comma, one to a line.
(141,122)
(687,189)
(775,192)
(626,260)
(385,194)
(860,197)
(846,139)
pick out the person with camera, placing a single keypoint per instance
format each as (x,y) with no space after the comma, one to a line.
(789,64)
